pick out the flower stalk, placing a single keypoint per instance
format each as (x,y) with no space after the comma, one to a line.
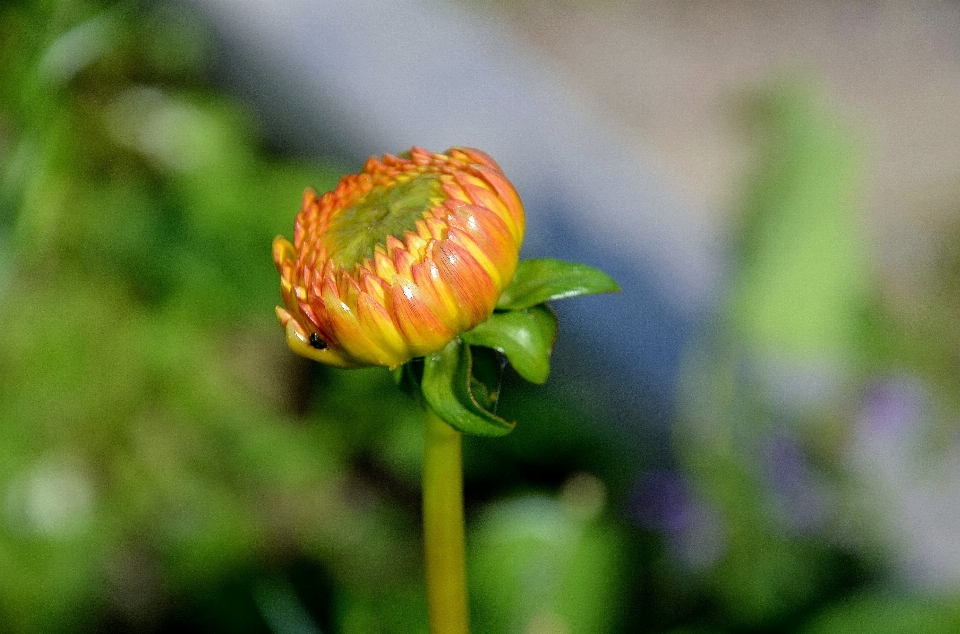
(413,265)
(443,528)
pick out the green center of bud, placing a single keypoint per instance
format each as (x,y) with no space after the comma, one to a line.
(385,211)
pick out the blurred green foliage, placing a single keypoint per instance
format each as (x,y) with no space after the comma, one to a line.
(146,449)
(168,463)
(773,373)
(802,271)
(794,406)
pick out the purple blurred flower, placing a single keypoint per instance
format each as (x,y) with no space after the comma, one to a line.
(799,497)
(663,502)
(905,473)
(891,407)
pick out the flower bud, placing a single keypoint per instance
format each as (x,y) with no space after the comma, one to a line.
(399,259)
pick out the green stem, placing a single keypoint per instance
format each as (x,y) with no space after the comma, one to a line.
(443,528)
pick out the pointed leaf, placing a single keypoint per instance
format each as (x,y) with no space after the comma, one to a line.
(544,279)
(525,336)
(447,382)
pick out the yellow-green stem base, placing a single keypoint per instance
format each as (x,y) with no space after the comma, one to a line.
(443,532)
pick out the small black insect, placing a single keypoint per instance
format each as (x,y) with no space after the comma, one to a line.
(317,342)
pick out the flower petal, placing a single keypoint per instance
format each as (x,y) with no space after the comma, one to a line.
(505,192)
(348,334)
(468,280)
(376,322)
(421,328)
(487,238)
(438,296)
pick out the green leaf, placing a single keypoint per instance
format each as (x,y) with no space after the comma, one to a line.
(544,279)
(447,388)
(525,336)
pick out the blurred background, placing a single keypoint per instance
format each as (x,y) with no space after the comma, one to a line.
(760,434)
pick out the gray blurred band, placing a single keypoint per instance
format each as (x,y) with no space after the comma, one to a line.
(354,78)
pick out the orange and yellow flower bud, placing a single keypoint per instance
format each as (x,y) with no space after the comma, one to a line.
(399,259)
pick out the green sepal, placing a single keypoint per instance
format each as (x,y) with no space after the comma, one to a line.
(545,279)
(486,371)
(408,378)
(525,336)
(448,387)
